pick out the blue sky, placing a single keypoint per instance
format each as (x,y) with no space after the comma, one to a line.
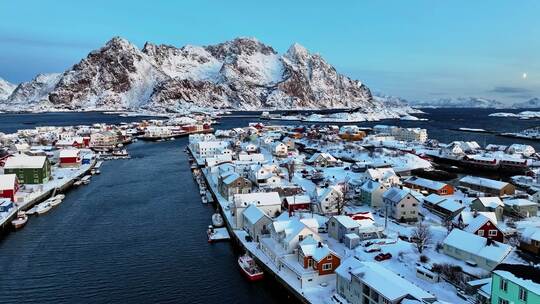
(415,49)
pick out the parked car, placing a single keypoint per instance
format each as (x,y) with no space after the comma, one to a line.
(383,256)
(373,248)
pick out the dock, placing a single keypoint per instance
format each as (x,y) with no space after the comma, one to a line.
(220,234)
(56,186)
(239,239)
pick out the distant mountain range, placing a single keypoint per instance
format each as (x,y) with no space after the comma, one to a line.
(475,102)
(239,74)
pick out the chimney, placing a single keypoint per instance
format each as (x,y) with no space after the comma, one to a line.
(319,245)
(475,213)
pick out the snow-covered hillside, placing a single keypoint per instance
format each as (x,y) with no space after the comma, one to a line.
(461,102)
(6,88)
(239,74)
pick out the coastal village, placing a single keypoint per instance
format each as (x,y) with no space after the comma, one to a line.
(343,214)
(41,164)
(336,214)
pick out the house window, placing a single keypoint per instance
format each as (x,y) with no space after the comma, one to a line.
(523,294)
(503,301)
(310,262)
(327,266)
(300,238)
(365,289)
(503,285)
(329,258)
(493,232)
(480,232)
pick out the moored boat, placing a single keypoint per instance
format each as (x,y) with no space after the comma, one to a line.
(20,221)
(217,220)
(43,207)
(249,268)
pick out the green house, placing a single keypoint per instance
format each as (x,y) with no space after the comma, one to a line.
(514,284)
(29,169)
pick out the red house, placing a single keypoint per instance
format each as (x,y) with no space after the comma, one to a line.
(317,256)
(485,227)
(70,158)
(296,202)
(430,186)
(8,186)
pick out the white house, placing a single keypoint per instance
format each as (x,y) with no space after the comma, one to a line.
(370,282)
(268,202)
(402,203)
(386,176)
(256,222)
(328,199)
(469,247)
(371,193)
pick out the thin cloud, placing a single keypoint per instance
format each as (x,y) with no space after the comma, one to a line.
(510,90)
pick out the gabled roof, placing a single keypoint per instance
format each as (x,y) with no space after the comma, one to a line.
(483,182)
(477,223)
(490,202)
(477,245)
(257,198)
(253,214)
(7,181)
(384,281)
(25,162)
(380,174)
(346,221)
(397,194)
(468,216)
(425,183)
(371,186)
(525,276)
(315,249)
(519,202)
(69,153)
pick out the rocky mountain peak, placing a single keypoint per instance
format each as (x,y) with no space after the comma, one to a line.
(297,52)
(240,47)
(242,73)
(6,88)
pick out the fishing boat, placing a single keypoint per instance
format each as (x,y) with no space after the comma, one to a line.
(43,207)
(217,220)
(56,200)
(85,180)
(249,268)
(20,221)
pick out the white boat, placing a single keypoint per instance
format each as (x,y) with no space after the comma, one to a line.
(20,221)
(86,179)
(43,207)
(56,200)
(217,220)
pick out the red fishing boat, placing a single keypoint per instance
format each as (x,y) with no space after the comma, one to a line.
(249,268)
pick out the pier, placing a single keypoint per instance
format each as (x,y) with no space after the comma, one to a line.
(238,237)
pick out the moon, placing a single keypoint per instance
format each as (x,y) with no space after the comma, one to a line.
(524,76)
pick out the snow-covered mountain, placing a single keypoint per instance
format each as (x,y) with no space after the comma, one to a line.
(6,88)
(239,74)
(461,102)
(533,103)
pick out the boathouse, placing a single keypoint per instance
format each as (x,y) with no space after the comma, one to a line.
(29,169)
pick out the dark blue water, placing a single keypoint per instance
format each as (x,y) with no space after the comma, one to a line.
(136,233)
